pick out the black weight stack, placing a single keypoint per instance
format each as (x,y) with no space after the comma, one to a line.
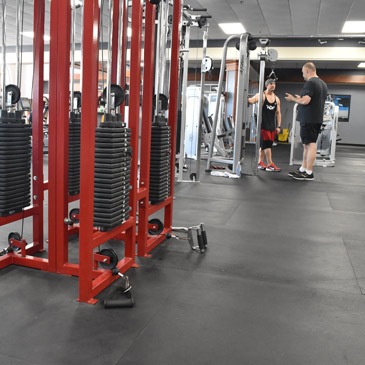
(112,173)
(74,138)
(15,163)
(160,161)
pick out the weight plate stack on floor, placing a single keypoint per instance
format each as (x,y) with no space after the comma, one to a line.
(112,173)
(15,163)
(74,154)
(160,161)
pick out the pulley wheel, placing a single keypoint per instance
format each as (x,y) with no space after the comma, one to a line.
(109,252)
(72,212)
(77,96)
(158,229)
(118,94)
(164,102)
(15,93)
(15,236)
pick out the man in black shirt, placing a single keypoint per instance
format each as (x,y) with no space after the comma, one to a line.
(310,115)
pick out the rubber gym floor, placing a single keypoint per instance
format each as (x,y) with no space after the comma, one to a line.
(282,281)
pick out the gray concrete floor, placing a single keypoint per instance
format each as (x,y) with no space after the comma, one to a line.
(282,282)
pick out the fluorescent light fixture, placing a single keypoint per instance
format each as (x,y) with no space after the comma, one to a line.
(362,64)
(31,35)
(232,28)
(354,27)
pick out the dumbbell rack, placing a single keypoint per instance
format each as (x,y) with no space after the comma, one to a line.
(147,242)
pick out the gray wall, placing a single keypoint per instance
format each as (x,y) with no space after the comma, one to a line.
(352,132)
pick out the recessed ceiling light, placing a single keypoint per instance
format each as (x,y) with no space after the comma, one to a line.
(354,27)
(232,28)
(362,64)
(31,35)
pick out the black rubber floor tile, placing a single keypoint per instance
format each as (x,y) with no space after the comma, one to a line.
(296,221)
(6,360)
(356,252)
(348,202)
(222,320)
(275,258)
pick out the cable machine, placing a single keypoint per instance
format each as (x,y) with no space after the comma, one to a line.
(326,141)
(17,152)
(191,126)
(158,133)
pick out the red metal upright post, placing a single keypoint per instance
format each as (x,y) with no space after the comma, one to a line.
(58,129)
(147,242)
(134,104)
(143,194)
(37,123)
(88,125)
(174,85)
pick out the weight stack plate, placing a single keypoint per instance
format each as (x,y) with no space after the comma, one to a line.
(160,162)
(112,173)
(15,163)
(74,142)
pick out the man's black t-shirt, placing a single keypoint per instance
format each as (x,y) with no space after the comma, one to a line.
(313,112)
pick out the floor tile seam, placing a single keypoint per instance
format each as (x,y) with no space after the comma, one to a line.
(277,283)
(352,266)
(149,321)
(20,358)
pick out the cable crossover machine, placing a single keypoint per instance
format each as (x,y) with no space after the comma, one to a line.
(109,171)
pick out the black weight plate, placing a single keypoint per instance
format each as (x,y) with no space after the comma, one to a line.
(11,139)
(14,200)
(4,188)
(111,161)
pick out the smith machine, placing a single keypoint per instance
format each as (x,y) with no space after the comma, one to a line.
(95,163)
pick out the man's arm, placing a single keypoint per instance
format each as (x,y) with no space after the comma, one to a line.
(303,100)
(254,99)
(278,115)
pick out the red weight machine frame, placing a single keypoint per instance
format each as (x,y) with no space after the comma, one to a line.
(92,280)
(24,257)
(145,241)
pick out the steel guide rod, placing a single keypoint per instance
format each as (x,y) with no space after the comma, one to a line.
(17,47)
(186,53)
(72,61)
(259,110)
(109,66)
(158,54)
(200,113)
(120,29)
(241,105)
(3,44)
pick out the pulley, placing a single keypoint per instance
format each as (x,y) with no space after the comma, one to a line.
(157,226)
(109,252)
(15,93)
(118,94)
